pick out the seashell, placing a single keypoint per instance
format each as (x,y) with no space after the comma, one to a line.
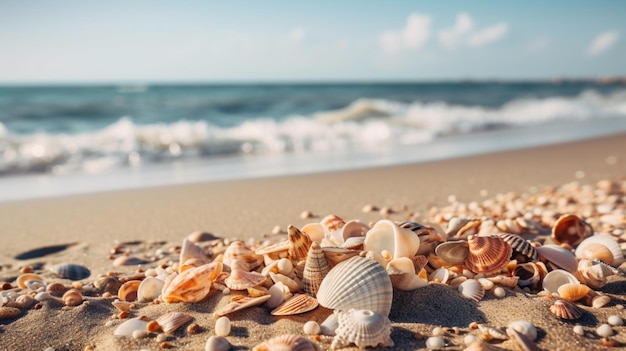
(240,303)
(292,284)
(171,321)
(354,243)
(149,289)
(315,231)
(472,290)
(402,274)
(453,252)
(222,326)
(122,306)
(217,343)
(237,251)
(429,236)
(287,342)
(559,256)
(274,249)
(299,244)
(490,333)
(520,246)
(278,294)
(440,275)
(9,312)
(553,280)
(190,251)
(128,261)
(587,249)
(23,278)
(336,255)
(486,283)
(359,283)
(364,328)
(593,274)
(58,289)
(566,310)
(525,328)
(35,284)
(129,290)
(311,328)
(386,235)
(570,229)
(192,285)
(107,284)
(72,297)
(523,341)
(315,269)
(71,271)
(241,280)
(200,236)
(23,301)
(487,254)
(329,325)
(600,301)
(257,291)
(528,273)
(354,229)
(509,282)
(128,327)
(461,228)
(332,223)
(298,303)
(284,266)
(573,291)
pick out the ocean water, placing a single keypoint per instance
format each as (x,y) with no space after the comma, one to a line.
(57,140)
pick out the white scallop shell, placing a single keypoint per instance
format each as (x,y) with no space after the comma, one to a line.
(553,280)
(358,283)
(363,328)
(149,289)
(560,256)
(472,290)
(386,235)
(189,250)
(609,242)
(128,327)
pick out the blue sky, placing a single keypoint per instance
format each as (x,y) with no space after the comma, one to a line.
(202,41)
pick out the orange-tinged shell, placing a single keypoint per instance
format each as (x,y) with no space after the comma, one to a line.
(572,291)
(288,342)
(570,229)
(566,310)
(609,242)
(22,279)
(171,321)
(299,244)
(487,254)
(72,297)
(332,223)
(238,251)
(192,285)
(240,303)
(298,303)
(128,290)
(595,250)
(9,312)
(242,280)
(336,255)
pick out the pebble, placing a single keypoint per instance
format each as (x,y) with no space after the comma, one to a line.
(140,334)
(222,326)
(369,208)
(435,342)
(469,338)
(499,292)
(578,330)
(306,214)
(276,230)
(161,338)
(311,328)
(615,320)
(437,331)
(604,331)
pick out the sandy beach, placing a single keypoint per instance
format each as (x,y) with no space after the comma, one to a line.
(84,228)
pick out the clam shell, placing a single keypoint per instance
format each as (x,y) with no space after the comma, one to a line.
(520,246)
(315,269)
(472,290)
(453,252)
(315,231)
(128,291)
(566,310)
(525,328)
(189,250)
(171,321)
(192,285)
(608,242)
(240,303)
(128,327)
(298,303)
(71,271)
(385,235)
(288,342)
(242,280)
(487,254)
(292,284)
(336,255)
(278,294)
(573,291)
(72,297)
(440,275)
(559,256)
(354,228)
(237,251)
(358,283)
(553,280)
(332,223)
(149,289)
(299,244)
(217,343)
(570,229)
(364,328)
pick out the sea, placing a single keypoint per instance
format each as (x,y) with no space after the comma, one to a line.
(68,139)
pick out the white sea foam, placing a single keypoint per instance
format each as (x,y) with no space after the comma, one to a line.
(364,124)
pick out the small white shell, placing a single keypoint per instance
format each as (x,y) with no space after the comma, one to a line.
(278,294)
(524,328)
(560,256)
(217,343)
(472,290)
(149,289)
(329,325)
(604,330)
(363,328)
(128,327)
(222,326)
(553,280)
(386,235)
(311,328)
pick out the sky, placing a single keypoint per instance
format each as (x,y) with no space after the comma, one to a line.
(248,41)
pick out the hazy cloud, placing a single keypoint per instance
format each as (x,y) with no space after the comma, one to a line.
(412,37)
(451,38)
(488,35)
(602,43)
(297,35)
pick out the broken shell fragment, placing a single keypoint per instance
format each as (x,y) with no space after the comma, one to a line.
(298,303)
(240,303)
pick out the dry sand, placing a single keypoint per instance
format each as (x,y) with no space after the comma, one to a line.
(84,228)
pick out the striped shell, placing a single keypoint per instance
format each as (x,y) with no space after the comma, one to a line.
(241,280)
(287,342)
(171,321)
(71,271)
(298,303)
(336,255)
(363,328)
(566,310)
(299,244)
(192,285)
(573,291)
(240,303)
(472,290)
(359,283)
(520,246)
(238,252)
(570,229)
(332,223)
(453,252)
(487,254)
(315,269)
(605,240)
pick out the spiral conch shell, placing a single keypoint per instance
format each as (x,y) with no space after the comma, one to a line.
(487,254)
(315,269)
(359,283)
(288,342)
(192,285)
(385,235)
(363,328)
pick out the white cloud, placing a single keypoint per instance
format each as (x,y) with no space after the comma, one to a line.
(297,35)
(488,35)
(412,37)
(602,43)
(451,38)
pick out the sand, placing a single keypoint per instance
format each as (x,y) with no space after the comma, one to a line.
(84,228)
